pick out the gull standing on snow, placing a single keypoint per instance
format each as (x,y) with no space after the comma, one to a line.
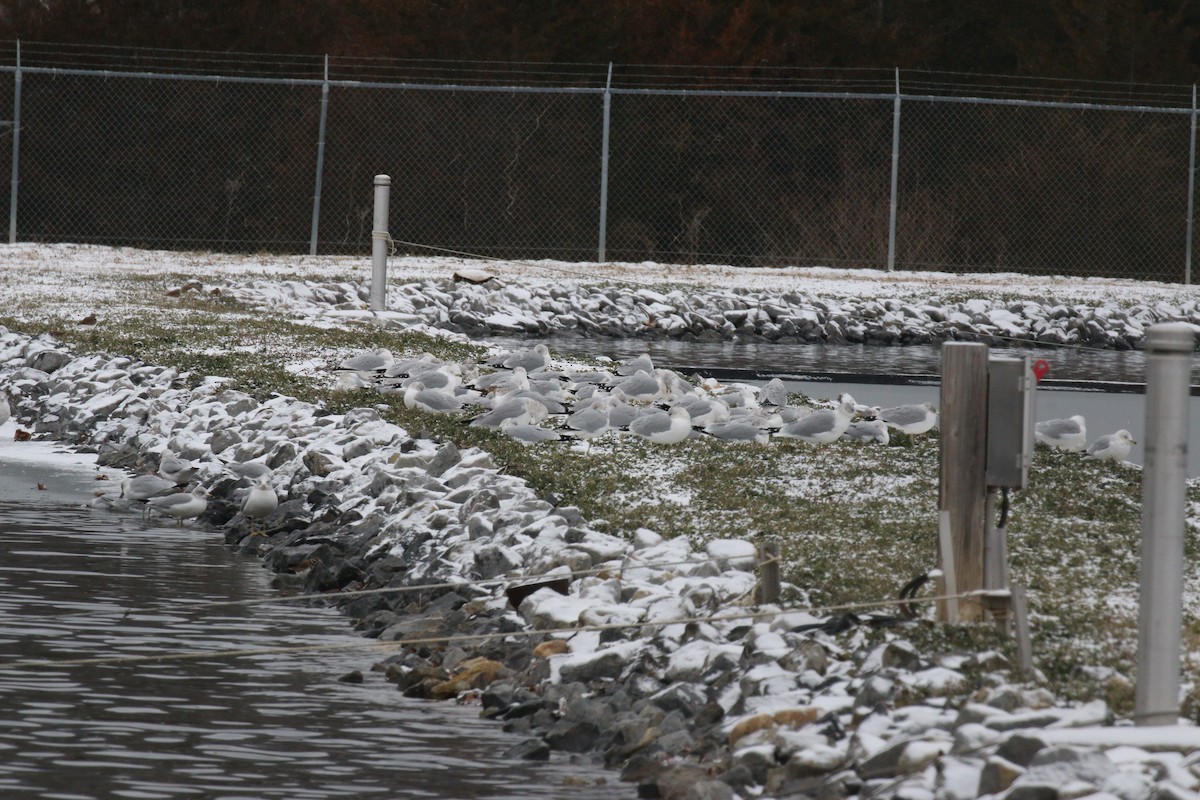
(181,505)
(820,427)
(1065,434)
(1114,446)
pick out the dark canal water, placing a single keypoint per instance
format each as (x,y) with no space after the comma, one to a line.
(78,583)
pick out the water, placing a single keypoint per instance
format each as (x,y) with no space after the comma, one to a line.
(77,583)
(1066,363)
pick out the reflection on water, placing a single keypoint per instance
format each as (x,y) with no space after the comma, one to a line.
(80,584)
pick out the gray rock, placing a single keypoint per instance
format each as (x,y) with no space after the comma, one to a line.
(573,736)
(529,750)
(445,458)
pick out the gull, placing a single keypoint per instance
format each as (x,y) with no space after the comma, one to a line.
(820,427)
(910,419)
(707,411)
(773,393)
(530,434)
(530,359)
(737,431)
(588,422)
(259,504)
(144,487)
(181,505)
(868,430)
(512,411)
(664,427)
(1065,434)
(641,363)
(249,470)
(175,469)
(434,401)
(1114,446)
(363,368)
(642,387)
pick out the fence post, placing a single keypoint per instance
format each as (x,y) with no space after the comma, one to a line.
(16,150)
(962,486)
(1169,350)
(601,255)
(1187,259)
(380,242)
(768,572)
(316,215)
(891,253)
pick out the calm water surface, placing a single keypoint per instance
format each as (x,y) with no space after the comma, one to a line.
(77,583)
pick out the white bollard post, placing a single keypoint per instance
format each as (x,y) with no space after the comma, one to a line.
(1169,349)
(380,242)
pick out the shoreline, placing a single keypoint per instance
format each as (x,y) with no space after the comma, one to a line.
(634,665)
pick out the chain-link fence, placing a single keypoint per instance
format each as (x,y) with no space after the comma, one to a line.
(874,171)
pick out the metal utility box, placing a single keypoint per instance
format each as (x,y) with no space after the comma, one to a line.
(1010,420)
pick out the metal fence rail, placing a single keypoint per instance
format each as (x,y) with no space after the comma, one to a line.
(861,174)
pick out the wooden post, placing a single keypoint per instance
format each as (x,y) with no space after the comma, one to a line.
(768,572)
(963,465)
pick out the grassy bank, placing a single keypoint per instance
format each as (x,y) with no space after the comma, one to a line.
(855,521)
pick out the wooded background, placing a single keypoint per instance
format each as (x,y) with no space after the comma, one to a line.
(1132,41)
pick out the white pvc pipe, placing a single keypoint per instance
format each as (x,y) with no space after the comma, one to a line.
(1169,350)
(380,242)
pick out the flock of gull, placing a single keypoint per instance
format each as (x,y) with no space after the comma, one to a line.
(1071,434)
(521,394)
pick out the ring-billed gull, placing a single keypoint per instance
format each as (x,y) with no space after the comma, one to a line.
(910,419)
(737,431)
(530,359)
(868,430)
(820,427)
(513,411)
(260,503)
(664,427)
(434,401)
(181,505)
(1114,446)
(141,488)
(175,469)
(529,434)
(249,470)
(1065,434)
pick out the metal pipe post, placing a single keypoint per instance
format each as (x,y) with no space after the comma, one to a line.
(316,215)
(891,253)
(380,242)
(1169,349)
(601,253)
(16,150)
